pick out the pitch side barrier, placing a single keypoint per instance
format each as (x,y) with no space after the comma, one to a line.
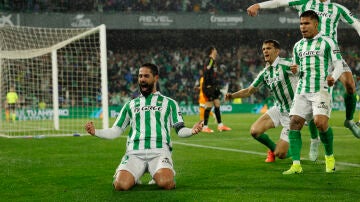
(96,112)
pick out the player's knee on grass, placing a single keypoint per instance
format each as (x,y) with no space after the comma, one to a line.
(164,178)
(124,181)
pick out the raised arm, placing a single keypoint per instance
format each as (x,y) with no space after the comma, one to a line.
(349,18)
(109,133)
(243,93)
(254,9)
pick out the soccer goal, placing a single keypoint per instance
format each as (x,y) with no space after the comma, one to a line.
(60,77)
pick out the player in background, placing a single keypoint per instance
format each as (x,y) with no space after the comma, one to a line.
(314,54)
(11,101)
(202,98)
(330,14)
(149,146)
(211,90)
(277,76)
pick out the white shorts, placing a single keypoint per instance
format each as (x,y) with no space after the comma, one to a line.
(150,160)
(280,118)
(307,105)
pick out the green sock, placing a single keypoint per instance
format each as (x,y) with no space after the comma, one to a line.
(288,154)
(295,144)
(350,105)
(265,140)
(314,133)
(327,138)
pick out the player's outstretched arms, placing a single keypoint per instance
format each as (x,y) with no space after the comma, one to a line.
(90,128)
(253,10)
(243,93)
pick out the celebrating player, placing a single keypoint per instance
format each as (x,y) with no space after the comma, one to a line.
(313,54)
(149,146)
(330,14)
(278,77)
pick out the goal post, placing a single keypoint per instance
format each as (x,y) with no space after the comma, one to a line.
(60,76)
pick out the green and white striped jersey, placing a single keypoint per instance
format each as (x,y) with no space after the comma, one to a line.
(150,119)
(314,57)
(330,14)
(281,82)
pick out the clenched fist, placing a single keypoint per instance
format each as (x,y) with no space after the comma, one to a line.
(90,128)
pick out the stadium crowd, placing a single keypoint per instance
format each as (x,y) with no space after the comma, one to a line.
(212,6)
(179,69)
(240,57)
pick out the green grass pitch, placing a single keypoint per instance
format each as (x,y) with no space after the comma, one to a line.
(227,166)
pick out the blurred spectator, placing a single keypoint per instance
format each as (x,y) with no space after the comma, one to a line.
(210,6)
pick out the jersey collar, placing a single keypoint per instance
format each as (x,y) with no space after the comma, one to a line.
(315,37)
(274,64)
(152,94)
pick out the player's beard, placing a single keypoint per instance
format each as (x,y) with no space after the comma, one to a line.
(146,88)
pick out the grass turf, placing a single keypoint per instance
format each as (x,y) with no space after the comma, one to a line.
(227,166)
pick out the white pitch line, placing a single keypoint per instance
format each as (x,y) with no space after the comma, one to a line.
(253,152)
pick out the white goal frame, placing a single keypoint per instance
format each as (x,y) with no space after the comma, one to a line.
(31,53)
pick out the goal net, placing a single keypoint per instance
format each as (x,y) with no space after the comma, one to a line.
(59,76)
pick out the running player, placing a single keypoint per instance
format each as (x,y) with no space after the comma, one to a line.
(330,14)
(278,77)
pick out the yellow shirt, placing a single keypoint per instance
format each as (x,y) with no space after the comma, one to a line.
(11,97)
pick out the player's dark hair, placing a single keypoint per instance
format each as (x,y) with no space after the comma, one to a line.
(210,49)
(274,42)
(311,14)
(154,69)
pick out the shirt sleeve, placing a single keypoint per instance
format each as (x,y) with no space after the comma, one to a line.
(175,113)
(123,119)
(259,80)
(347,17)
(210,63)
(273,4)
(336,58)
(109,133)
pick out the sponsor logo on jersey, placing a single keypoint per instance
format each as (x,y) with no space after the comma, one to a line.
(323,14)
(270,81)
(309,53)
(147,108)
